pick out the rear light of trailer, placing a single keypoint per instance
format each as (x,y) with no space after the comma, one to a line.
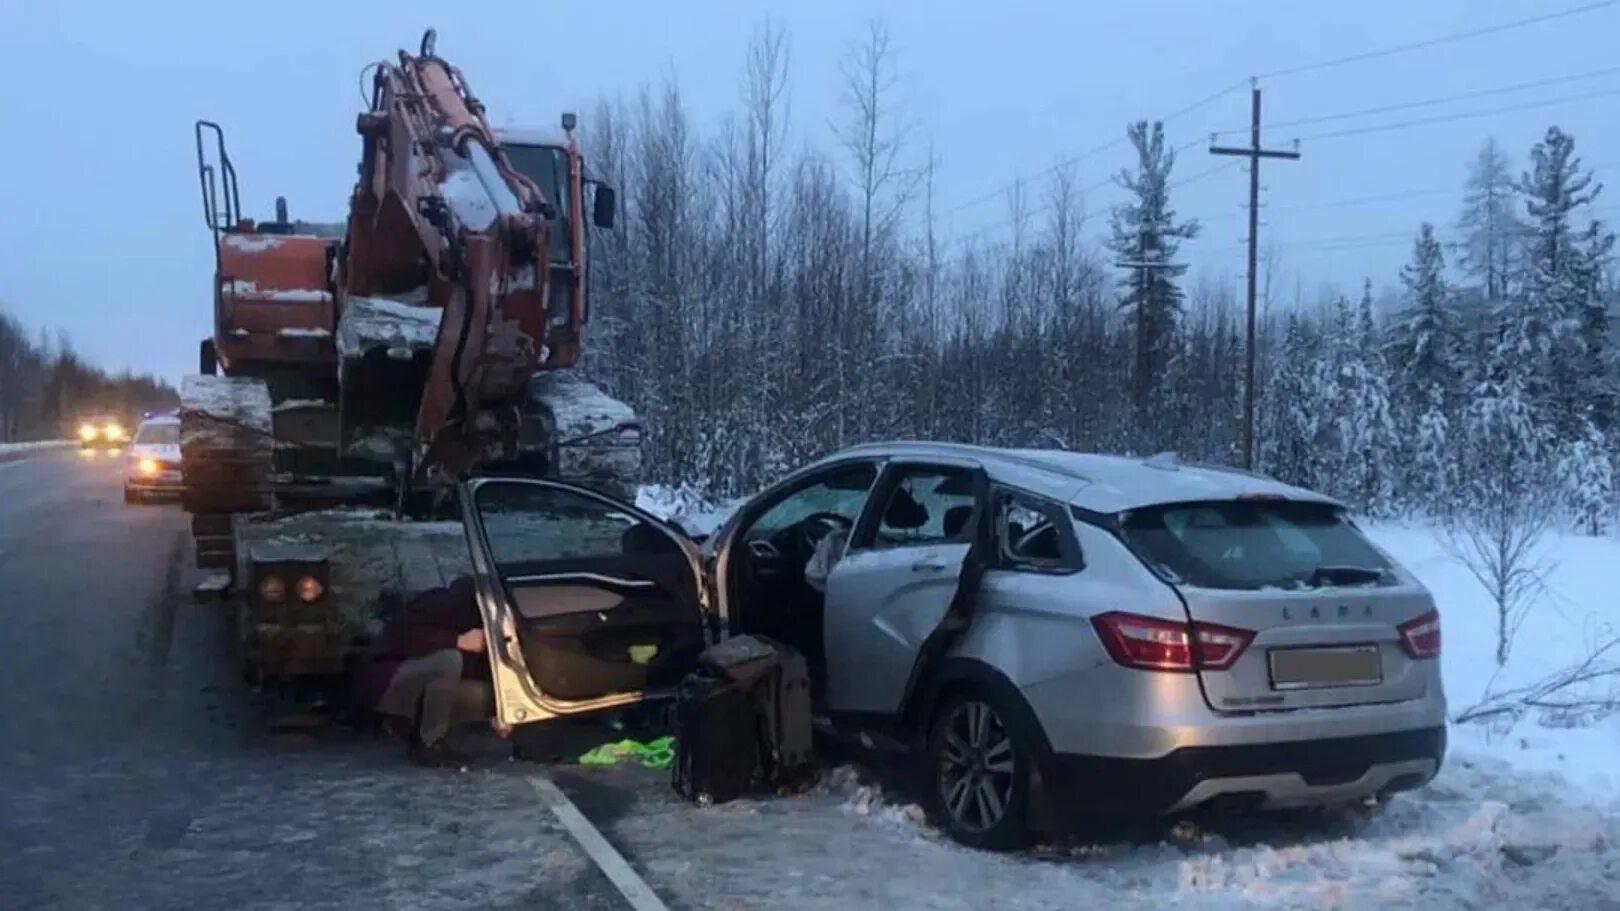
(1151,644)
(1420,636)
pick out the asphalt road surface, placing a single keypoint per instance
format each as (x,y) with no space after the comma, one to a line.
(135,772)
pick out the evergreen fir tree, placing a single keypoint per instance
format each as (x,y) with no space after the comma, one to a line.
(1422,343)
(1587,476)
(1543,319)
(1146,237)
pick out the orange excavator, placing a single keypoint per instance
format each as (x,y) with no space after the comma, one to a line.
(379,360)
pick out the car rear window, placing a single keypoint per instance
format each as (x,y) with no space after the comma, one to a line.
(158,434)
(1255,544)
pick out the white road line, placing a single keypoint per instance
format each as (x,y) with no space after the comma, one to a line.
(612,864)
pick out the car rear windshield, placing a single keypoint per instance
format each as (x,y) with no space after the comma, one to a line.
(1255,544)
(158,434)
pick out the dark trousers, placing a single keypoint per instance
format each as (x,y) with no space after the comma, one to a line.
(431,691)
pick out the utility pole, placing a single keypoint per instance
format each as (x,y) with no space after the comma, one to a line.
(1254,153)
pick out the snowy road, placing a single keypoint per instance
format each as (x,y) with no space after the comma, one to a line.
(137,776)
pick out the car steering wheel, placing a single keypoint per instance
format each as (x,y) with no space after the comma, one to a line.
(818,525)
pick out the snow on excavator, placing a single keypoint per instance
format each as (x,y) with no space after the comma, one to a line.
(378,361)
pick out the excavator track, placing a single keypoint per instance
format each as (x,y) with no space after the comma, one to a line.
(227,446)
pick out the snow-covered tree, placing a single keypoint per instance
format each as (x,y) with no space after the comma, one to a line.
(1422,337)
(1146,237)
(1422,355)
(1586,477)
(1290,419)
(1431,472)
(1507,500)
(1357,426)
(1543,319)
(1598,375)
(1490,228)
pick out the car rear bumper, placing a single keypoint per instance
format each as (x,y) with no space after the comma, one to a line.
(1253,776)
(160,484)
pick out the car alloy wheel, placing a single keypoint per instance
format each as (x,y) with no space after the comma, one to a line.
(977,763)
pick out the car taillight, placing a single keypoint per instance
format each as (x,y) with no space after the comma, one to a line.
(1152,644)
(1420,636)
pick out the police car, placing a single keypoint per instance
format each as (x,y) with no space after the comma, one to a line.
(152,462)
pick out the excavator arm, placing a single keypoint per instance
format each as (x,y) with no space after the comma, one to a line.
(440,216)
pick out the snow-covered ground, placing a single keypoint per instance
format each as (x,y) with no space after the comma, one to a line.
(9,448)
(1578,608)
(1525,813)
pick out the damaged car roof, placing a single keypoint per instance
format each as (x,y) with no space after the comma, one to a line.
(1100,483)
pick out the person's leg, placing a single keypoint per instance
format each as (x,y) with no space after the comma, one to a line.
(472,703)
(424,689)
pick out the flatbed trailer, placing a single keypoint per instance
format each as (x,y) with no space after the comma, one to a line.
(315,588)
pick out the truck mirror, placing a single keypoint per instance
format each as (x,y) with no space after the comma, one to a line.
(605,206)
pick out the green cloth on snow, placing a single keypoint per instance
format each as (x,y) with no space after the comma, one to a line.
(654,754)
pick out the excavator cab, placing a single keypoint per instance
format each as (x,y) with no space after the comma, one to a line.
(553,162)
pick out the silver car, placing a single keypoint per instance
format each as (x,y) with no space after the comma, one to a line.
(1056,634)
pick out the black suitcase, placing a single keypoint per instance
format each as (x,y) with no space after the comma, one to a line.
(742,721)
(717,727)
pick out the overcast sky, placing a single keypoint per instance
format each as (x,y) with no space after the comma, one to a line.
(101,231)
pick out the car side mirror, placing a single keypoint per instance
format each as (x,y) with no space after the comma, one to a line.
(605,206)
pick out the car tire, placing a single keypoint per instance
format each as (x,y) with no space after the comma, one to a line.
(980,761)
(131,496)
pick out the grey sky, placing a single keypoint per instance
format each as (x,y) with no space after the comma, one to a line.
(100,222)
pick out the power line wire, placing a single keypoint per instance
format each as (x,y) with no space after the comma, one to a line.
(1451,118)
(1433,42)
(1277,74)
(1095,151)
(1388,238)
(1430,102)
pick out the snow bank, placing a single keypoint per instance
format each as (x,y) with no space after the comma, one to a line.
(10,449)
(696,512)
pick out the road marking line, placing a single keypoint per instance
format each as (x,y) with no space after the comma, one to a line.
(612,864)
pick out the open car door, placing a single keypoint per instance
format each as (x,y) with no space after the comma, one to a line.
(588,603)
(905,588)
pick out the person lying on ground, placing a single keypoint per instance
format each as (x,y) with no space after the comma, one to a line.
(430,672)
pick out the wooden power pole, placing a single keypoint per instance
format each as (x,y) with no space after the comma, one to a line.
(1254,153)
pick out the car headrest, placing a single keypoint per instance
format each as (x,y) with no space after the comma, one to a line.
(904,511)
(642,538)
(956,519)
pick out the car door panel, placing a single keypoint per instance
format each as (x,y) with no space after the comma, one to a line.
(574,622)
(881,606)
(589,629)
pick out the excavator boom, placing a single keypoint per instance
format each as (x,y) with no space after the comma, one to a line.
(439,214)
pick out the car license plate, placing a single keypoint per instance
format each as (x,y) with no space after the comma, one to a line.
(1303,668)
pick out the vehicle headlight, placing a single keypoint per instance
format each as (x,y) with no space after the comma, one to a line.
(310,589)
(87,432)
(272,590)
(147,466)
(113,432)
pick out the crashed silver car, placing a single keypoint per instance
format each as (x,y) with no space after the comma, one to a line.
(1055,634)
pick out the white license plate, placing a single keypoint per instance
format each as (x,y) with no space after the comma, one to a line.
(1305,668)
